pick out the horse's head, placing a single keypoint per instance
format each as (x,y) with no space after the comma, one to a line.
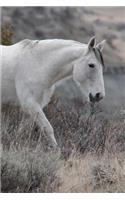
(88,72)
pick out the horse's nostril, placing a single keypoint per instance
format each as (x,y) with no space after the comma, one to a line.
(98,96)
(91,98)
(95,98)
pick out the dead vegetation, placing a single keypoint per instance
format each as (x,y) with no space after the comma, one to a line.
(90,157)
(6,34)
(93,174)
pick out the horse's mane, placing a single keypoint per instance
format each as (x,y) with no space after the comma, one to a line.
(99,56)
(29,43)
(33,43)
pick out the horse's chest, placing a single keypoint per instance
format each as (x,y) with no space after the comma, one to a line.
(8,88)
(8,91)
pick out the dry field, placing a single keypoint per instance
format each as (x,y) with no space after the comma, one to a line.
(90,157)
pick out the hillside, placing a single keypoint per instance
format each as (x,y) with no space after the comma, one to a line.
(77,23)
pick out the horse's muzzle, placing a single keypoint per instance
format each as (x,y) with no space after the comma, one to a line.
(95,98)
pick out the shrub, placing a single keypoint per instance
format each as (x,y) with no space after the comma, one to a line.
(29,171)
(6,34)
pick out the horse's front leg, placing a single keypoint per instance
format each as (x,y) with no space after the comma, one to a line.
(46,126)
(29,103)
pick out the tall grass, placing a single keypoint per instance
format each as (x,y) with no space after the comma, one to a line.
(90,157)
(92,173)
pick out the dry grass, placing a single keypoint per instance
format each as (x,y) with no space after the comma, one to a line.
(93,174)
(29,171)
(90,157)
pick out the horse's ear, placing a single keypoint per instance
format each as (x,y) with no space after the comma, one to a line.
(100,45)
(92,43)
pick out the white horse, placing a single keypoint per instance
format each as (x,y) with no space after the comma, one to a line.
(31,69)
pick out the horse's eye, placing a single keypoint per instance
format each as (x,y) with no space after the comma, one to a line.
(91,65)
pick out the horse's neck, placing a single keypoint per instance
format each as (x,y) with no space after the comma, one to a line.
(65,62)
